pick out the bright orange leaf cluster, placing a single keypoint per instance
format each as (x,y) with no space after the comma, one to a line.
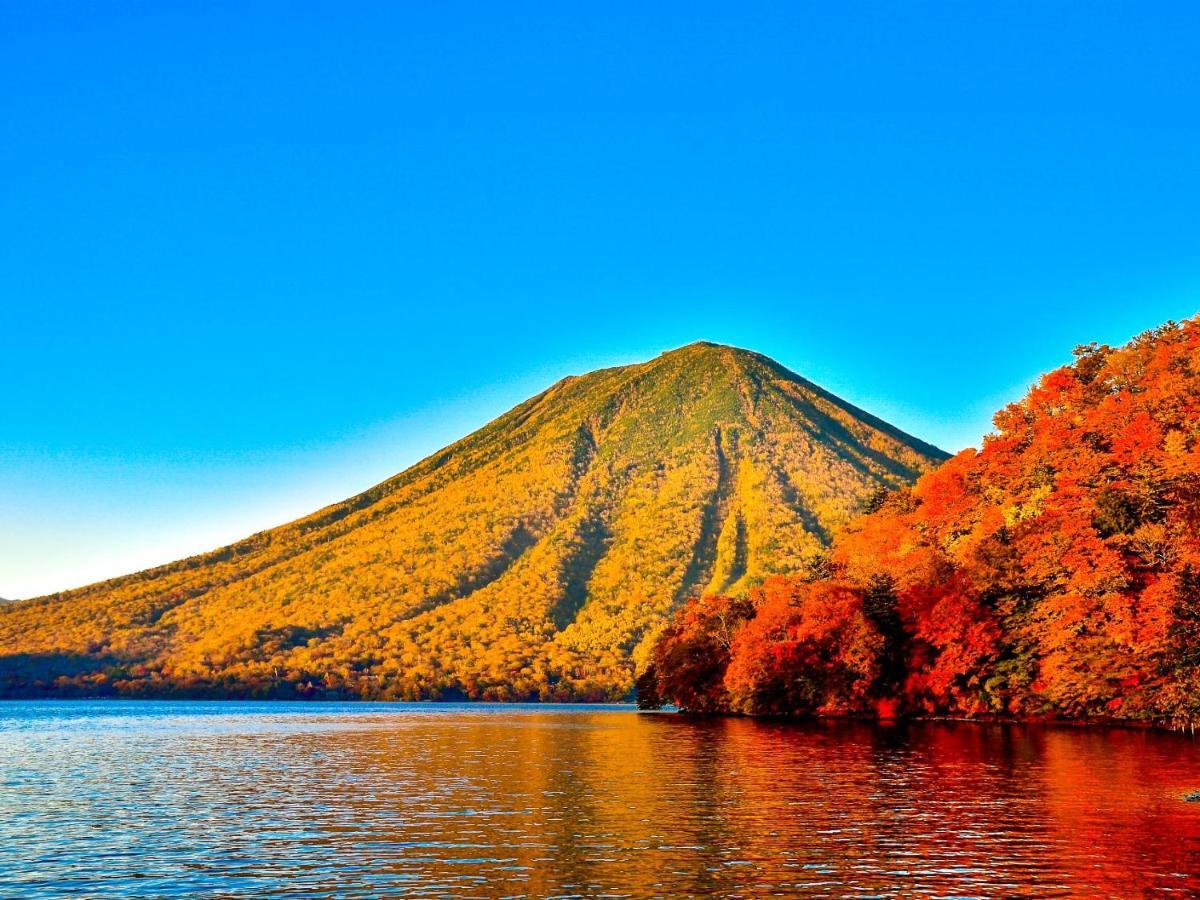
(1055,573)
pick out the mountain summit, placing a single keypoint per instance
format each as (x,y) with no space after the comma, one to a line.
(537,557)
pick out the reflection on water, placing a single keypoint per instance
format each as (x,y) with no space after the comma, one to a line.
(246,799)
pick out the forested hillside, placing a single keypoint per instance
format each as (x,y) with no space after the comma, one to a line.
(1054,573)
(536,558)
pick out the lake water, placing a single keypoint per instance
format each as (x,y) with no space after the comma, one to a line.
(150,799)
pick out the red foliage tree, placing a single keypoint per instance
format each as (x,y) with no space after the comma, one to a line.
(810,648)
(688,663)
(1053,572)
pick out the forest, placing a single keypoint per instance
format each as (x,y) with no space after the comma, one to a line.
(1052,574)
(711,531)
(535,559)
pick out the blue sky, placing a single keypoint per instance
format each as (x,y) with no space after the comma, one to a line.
(253,260)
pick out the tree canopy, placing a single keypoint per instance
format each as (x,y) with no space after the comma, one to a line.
(1054,572)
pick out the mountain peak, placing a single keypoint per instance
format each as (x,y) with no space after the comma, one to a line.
(700,345)
(537,557)
(706,348)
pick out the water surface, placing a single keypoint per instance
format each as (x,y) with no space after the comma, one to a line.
(223,799)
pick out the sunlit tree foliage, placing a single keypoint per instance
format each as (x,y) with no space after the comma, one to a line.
(1052,573)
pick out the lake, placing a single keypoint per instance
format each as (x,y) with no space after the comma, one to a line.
(229,799)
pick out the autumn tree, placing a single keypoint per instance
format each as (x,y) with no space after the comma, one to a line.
(809,648)
(690,658)
(1050,573)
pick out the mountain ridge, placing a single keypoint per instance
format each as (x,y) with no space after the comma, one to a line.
(577,519)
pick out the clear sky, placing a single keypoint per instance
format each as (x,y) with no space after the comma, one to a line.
(257,257)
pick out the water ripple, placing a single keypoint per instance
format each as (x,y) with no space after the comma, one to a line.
(128,799)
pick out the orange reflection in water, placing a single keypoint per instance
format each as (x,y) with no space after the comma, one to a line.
(486,801)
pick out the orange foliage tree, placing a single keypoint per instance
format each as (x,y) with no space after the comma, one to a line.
(809,648)
(1054,572)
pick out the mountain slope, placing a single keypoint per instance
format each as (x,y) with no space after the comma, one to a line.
(535,557)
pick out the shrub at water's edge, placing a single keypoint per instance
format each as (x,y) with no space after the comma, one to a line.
(1054,573)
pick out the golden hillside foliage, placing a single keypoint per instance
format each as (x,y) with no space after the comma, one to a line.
(536,558)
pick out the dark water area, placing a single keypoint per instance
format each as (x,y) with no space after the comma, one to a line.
(229,799)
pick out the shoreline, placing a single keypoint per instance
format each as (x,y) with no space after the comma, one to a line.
(631,706)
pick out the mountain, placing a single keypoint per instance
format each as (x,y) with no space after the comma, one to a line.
(537,557)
